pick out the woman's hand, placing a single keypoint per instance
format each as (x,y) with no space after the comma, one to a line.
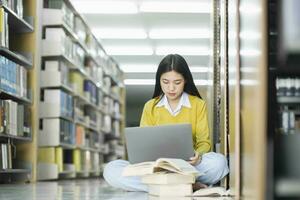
(196,159)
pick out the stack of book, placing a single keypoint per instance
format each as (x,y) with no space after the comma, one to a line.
(165,176)
(169,178)
(169,184)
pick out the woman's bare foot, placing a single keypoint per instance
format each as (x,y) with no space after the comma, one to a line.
(198,185)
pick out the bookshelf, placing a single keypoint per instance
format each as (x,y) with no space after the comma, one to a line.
(82,98)
(18,90)
(284,99)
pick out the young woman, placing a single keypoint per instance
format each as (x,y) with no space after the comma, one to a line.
(175,100)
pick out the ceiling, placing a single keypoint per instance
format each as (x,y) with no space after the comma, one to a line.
(138,37)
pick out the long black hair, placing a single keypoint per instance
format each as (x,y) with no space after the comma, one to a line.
(175,62)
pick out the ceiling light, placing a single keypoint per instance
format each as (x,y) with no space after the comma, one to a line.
(199,82)
(105,7)
(128,50)
(139,68)
(175,7)
(119,33)
(182,50)
(139,81)
(144,68)
(182,33)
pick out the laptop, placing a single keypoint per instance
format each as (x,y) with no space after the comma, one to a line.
(153,142)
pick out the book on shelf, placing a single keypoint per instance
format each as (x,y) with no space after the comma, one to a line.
(76,81)
(68,15)
(27,121)
(93,139)
(56,103)
(20,120)
(80,135)
(67,132)
(46,155)
(87,139)
(95,162)
(23,82)
(3,28)
(68,162)
(77,160)
(69,167)
(5,156)
(90,91)
(19,8)
(79,55)
(2,116)
(13,78)
(162,164)
(15,5)
(92,70)
(107,123)
(168,178)
(80,29)
(12,119)
(59,158)
(85,160)
(54,131)
(9,156)
(116,128)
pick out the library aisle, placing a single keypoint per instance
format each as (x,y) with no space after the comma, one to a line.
(67,189)
(75,73)
(84,189)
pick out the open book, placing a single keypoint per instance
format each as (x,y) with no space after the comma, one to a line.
(162,164)
(165,178)
(211,192)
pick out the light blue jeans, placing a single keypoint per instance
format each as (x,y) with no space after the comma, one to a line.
(213,165)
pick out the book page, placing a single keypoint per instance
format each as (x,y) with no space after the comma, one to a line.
(149,163)
(213,191)
(138,169)
(176,165)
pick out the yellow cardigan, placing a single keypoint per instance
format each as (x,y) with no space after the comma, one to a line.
(196,115)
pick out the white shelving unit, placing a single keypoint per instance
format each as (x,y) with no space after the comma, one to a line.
(73,131)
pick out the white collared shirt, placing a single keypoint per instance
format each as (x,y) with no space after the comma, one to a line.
(184,101)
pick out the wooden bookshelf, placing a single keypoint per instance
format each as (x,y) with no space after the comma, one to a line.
(23,50)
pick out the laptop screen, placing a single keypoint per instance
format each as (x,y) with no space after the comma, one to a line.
(153,142)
